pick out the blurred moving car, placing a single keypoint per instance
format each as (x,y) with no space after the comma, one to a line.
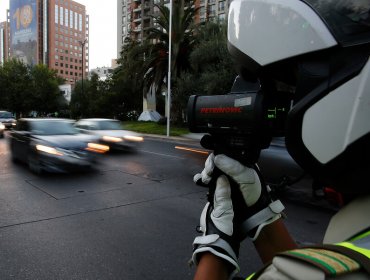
(7,119)
(110,133)
(53,145)
(2,128)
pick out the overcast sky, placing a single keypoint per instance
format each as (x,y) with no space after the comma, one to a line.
(103,29)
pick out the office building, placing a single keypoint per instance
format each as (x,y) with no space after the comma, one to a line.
(50,32)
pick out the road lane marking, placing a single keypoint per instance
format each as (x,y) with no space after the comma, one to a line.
(192,150)
(159,154)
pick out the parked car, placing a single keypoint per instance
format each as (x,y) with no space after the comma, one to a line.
(53,145)
(7,119)
(2,128)
(110,133)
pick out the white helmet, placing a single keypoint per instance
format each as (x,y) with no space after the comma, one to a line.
(319,50)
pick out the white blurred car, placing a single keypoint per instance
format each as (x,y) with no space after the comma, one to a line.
(7,119)
(2,128)
(111,133)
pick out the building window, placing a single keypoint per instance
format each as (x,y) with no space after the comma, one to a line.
(70,18)
(76,22)
(66,18)
(80,22)
(56,13)
(221,6)
(61,16)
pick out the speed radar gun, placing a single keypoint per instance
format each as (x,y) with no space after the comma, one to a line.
(238,124)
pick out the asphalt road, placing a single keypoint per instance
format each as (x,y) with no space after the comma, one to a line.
(134,217)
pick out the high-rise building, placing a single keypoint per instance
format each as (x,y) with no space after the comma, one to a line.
(4,41)
(68,32)
(134,17)
(51,32)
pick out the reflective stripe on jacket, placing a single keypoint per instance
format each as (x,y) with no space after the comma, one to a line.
(333,260)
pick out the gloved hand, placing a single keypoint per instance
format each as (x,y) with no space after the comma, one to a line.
(223,221)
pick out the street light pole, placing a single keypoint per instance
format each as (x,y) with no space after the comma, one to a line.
(169,72)
(82,43)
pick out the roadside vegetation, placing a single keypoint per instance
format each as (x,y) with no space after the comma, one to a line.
(200,65)
(154,128)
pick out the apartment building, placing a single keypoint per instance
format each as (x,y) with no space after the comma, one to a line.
(51,32)
(4,41)
(134,16)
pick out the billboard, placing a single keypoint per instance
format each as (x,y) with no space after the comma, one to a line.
(23,30)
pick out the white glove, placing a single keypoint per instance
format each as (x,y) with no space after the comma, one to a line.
(247,178)
(216,224)
(231,217)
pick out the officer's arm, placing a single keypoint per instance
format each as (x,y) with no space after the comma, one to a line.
(274,238)
(211,267)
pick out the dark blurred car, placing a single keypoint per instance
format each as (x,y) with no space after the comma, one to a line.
(53,145)
(110,133)
(2,128)
(7,119)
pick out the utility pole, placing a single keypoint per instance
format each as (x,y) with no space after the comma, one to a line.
(169,72)
(82,43)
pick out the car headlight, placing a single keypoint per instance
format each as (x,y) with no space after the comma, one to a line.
(134,138)
(97,148)
(2,126)
(112,139)
(49,150)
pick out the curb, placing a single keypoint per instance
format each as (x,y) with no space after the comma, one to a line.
(189,138)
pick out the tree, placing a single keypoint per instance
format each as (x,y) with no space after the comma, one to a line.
(211,62)
(16,87)
(182,41)
(211,72)
(29,88)
(46,96)
(127,79)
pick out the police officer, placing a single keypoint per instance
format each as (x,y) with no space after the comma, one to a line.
(320,52)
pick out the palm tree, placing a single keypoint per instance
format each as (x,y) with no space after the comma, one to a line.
(182,41)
